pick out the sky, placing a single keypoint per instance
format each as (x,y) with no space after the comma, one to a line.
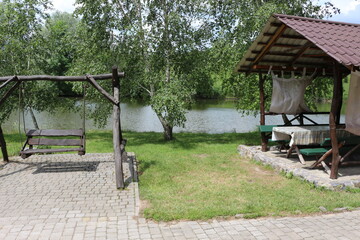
(350,9)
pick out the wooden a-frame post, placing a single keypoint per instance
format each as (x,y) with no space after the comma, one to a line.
(334,119)
(3,146)
(118,141)
(117,138)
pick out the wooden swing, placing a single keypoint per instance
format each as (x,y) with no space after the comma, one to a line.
(45,137)
(71,140)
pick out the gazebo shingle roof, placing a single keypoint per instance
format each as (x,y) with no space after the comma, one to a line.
(291,42)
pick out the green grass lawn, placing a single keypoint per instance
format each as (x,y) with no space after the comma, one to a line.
(201,176)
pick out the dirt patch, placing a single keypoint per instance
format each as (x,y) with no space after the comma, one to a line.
(202,156)
(143,205)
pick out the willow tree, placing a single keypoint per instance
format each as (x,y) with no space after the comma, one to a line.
(158,43)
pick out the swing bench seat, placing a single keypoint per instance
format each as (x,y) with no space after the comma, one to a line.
(72,140)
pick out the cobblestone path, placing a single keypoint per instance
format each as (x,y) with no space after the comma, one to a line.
(74,197)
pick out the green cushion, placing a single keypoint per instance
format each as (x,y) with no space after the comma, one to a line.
(313,151)
(266,128)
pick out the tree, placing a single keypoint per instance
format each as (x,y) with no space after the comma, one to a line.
(23,51)
(236,24)
(157,42)
(20,43)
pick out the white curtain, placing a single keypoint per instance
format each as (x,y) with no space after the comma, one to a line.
(288,94)
(352,117)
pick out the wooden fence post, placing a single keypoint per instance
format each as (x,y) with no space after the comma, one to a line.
(334,119)
(117,131)
(3,146)
(264,140)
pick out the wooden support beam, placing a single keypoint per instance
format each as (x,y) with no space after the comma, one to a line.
(119,175)
(7,81)
(287,68)
(264,140)
(3,146)
(276,53)
(286,63)
(281,45)
(101,90)
(270,43)
(335,105)
(300,52)
(299,37)
(60,78)
(8,93)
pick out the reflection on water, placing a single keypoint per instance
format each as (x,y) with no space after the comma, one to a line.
(207,117)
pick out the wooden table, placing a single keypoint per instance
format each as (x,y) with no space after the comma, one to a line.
(304,136)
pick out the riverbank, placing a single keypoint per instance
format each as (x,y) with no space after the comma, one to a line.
(201,176)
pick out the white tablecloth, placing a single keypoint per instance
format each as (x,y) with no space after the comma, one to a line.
(305,135)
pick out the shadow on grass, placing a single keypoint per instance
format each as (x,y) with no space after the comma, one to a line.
(145,166)
(190,140)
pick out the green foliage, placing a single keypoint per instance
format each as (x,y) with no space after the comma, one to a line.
(60,38)
(236,25)
(171,51)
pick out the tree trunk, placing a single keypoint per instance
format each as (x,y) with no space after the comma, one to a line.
(168,132)
(36,125)
(168,129)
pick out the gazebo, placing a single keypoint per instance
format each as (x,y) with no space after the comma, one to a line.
(292,43)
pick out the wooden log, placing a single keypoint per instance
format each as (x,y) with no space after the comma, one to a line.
(116,132)
(326,155)
(55,142)
(307,113)
(55,132)
(301,157)
(3,146)
(101,90)
(264,139)
(349,152)
(7,81)
(335,105)
(9,92)
(60,78)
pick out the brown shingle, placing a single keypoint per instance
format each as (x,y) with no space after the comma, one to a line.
(330,40)
(340,40)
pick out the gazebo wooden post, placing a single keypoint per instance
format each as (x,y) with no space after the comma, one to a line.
(119,175)
(335,119)
(3,146)
(264,140)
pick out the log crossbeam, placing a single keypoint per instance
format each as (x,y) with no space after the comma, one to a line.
(93,82)
(60,78)
(300,53)
(270,43)
(7,81)
(8,92)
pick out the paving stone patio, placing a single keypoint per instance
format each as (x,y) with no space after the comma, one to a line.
(74,197)
(349,176)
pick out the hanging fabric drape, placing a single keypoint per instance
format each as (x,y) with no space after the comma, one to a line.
(288,93)
(352,117)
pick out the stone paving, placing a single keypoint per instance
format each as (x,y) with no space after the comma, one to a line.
(348,176)
(74,197)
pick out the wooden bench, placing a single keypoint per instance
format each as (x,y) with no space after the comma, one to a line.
(346,145)
(267,130)
(317,150)
(72,140)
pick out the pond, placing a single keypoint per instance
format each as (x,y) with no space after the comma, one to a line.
(204,117)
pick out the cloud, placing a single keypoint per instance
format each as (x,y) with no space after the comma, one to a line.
(346,6)
(64,5)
